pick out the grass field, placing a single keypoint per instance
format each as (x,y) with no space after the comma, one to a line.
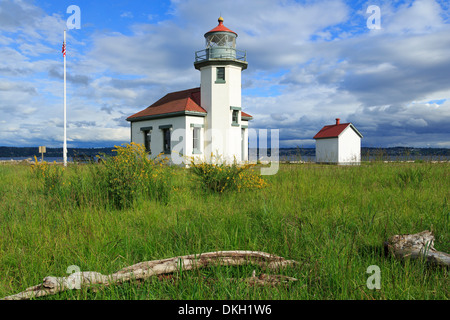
(332,219)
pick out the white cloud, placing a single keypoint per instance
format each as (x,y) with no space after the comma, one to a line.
(420,16)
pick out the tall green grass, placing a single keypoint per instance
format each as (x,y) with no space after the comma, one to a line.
(332,219)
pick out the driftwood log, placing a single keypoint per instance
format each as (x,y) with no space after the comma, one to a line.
(144,270)
(417,246)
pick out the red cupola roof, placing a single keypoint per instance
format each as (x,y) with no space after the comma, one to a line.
(220,28)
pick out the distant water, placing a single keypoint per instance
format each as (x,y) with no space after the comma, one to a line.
(48,159)
(372,158)
(281,158)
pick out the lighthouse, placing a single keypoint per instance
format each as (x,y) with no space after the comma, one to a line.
(198,122)
(221,65)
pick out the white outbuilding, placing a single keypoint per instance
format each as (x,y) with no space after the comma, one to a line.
(201,121)
(339,143)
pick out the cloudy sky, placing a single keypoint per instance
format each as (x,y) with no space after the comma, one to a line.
(309,63)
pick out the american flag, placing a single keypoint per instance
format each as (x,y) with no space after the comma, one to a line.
(64,49)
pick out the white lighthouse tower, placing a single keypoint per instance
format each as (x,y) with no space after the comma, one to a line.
(210,117)
(221,65)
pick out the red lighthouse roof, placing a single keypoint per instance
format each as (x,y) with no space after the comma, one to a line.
(220,28)
(176,104)
(172,103)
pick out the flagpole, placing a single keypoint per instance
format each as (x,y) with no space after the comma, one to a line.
(65,102)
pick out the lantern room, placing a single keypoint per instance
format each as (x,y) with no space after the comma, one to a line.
(221,36)
(220,44)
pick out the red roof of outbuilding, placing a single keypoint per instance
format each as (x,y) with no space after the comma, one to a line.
(333,131)
(186,100)
(221,28)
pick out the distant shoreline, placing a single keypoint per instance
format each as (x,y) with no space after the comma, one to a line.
(8,153)
(291,156)
(31,152)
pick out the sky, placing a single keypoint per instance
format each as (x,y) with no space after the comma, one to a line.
(309,62)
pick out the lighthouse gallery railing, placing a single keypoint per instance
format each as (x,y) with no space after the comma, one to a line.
(220,53)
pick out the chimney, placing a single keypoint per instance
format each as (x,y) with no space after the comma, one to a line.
(338,121)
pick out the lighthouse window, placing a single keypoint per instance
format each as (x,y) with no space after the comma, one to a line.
(235,116)
(220,75)
(166,137)
(147,140)
(147,131)
(196,141)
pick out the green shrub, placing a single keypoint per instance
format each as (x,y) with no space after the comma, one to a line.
(117,181)
(131,173)
(50,176)
(218,176)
